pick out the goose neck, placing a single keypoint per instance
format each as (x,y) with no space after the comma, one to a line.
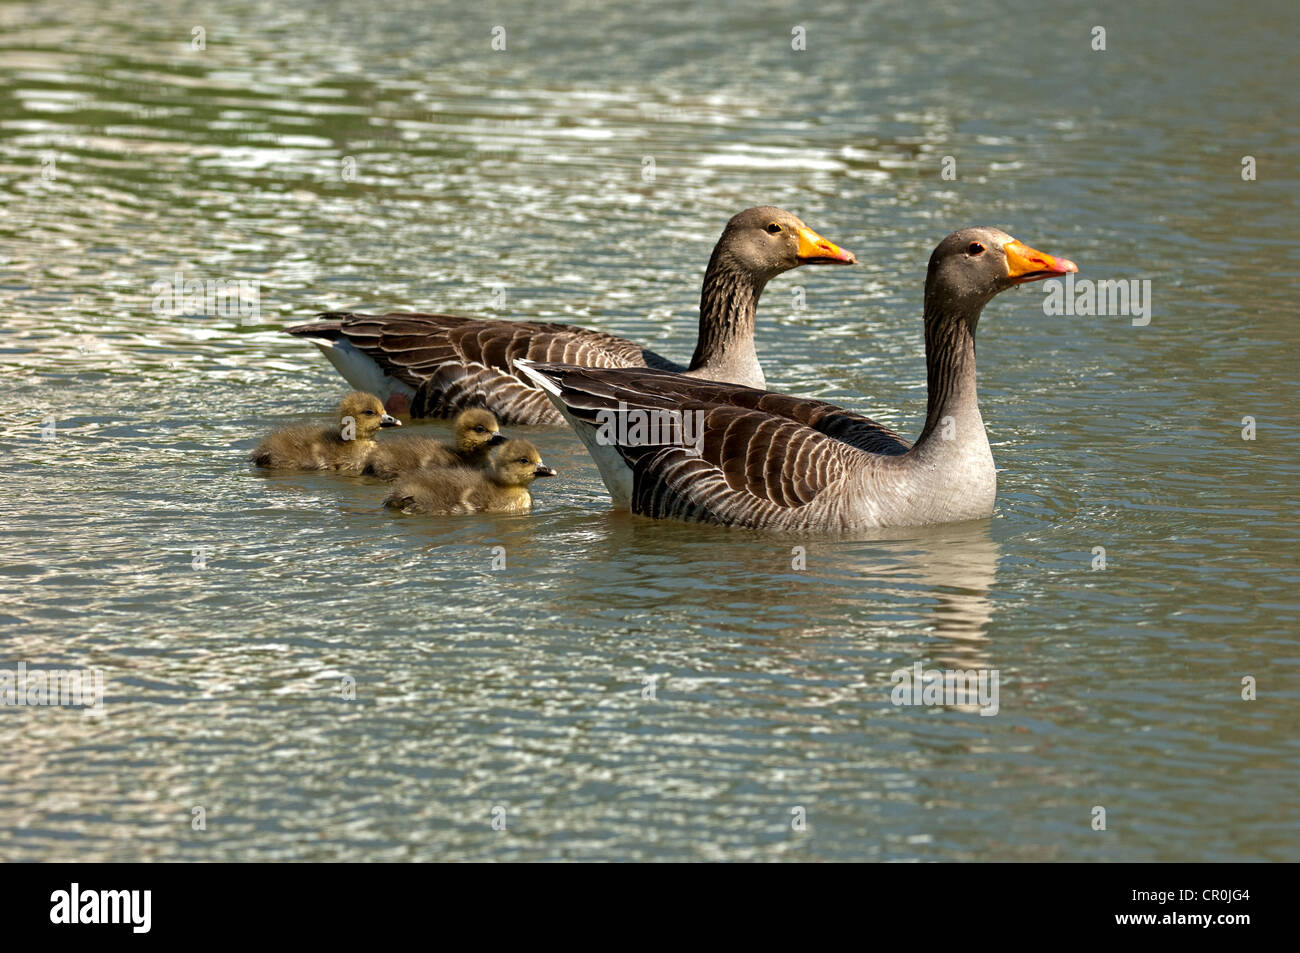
(952,405)
(725,348)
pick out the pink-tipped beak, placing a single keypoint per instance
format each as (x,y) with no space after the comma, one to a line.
(1026,264)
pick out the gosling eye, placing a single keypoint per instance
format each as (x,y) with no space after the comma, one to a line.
(773,228)
(974,248)
(369,413)
(480,429)
(523,459)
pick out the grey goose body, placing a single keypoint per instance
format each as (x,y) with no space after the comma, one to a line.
(768,460)
(435,365)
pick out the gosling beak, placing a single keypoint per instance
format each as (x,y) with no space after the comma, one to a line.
(389,421)
(496,438)
(1025,264)
(543,471)
(815,250)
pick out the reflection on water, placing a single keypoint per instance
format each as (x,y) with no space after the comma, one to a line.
(628,689)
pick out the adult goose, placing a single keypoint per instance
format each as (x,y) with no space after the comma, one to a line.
(434,365)
(746,457)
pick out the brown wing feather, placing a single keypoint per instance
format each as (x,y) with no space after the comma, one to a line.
(763,455)
(670,389)
(455,362)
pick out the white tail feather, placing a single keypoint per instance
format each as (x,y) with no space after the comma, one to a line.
(613,468)
(361,371)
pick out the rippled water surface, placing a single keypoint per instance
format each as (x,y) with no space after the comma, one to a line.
(385,156)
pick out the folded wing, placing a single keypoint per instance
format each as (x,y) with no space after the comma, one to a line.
(743,457)
(453,362)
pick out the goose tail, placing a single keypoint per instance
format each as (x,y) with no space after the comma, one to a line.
(614,470)
(531,370)
(357,367)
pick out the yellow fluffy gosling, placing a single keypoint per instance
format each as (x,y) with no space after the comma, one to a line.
(501,488)
(345,446)
(476,433)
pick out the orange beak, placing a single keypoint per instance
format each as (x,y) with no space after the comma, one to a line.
(1025,264)
(815,250)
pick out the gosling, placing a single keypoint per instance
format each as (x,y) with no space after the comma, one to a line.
(501,488)
(477,432)
(345,447)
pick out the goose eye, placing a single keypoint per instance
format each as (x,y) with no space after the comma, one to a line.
(974,248)
(369,413)
(480,430)
(523,459)
(773,228)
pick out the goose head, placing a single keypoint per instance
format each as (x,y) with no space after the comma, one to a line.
(516,463)
(972,265)
(366,411)
(476,429)
(765,241)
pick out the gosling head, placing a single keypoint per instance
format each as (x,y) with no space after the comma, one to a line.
(972,265)
(476,430)
(363,414)
(766,241)
(517,463)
